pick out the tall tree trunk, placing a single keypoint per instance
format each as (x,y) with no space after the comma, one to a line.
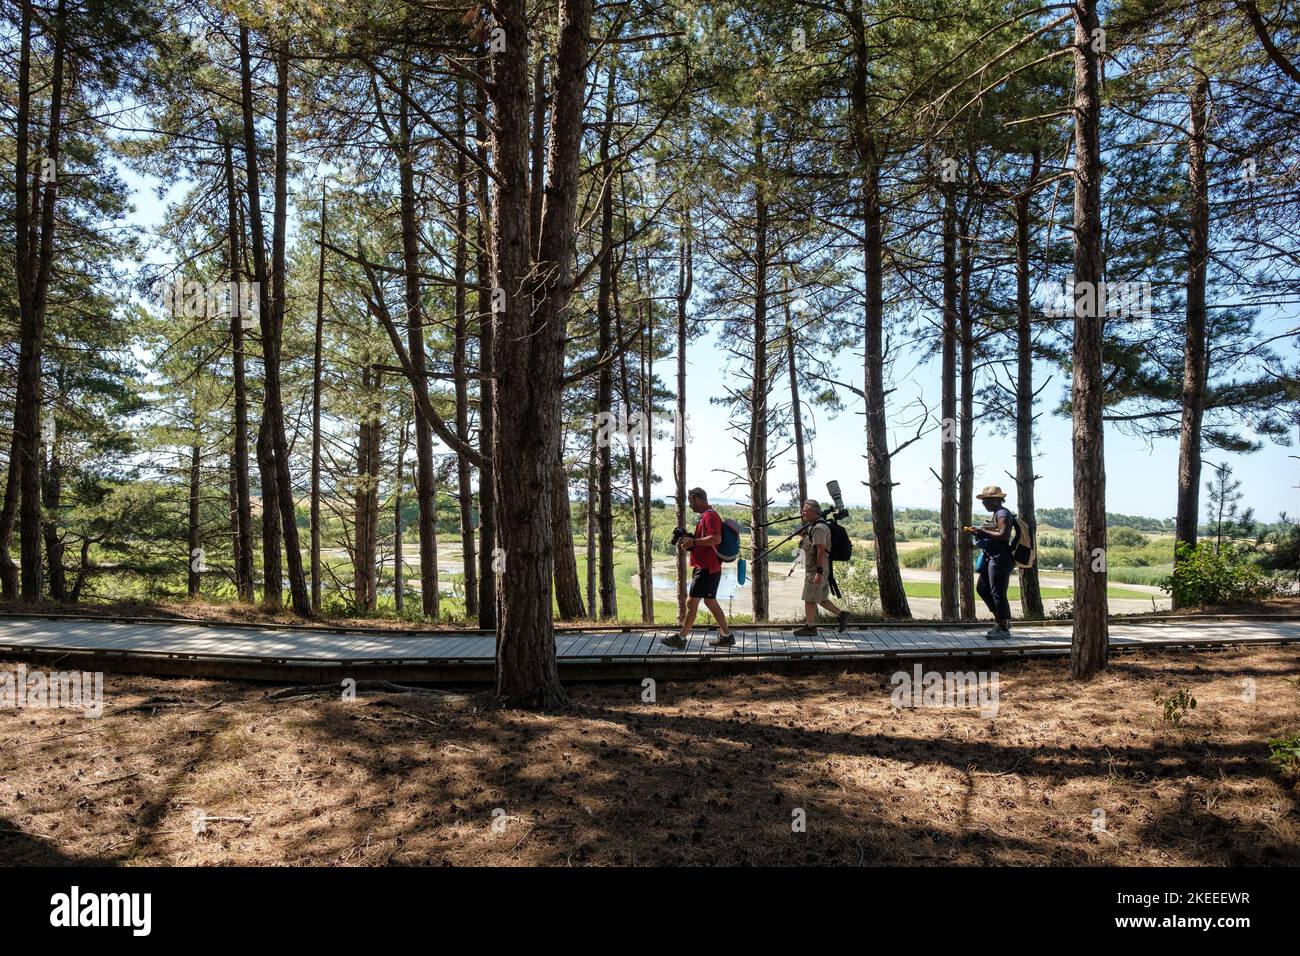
(893,599)
(232,503)
(487,580)
(528,353)
(52,491)
(34,269)
(605,377)
(464,487)
(1031,595)
(537,177)
(272,570)
(273,584)
(647,459)
(317,366)
(22,269)
(949,523)
(366,497)
(273,401)
(244,573)
(796,408)
(640,530)
(1090,648)
(399,576)
(8,512)
(966,481)
(1195,358)
(425,492)
(685,284)
(194,561)
(568,592)
(590,510)
(756,447)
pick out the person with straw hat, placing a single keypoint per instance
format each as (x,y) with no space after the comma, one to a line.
(994,539)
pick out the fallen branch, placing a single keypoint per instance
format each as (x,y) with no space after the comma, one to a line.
(105,783)
(372,686)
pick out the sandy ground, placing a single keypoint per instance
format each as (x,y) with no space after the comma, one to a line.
(756,769)
(785,594)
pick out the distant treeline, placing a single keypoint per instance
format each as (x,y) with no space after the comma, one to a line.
(1064,518)
(1057,518)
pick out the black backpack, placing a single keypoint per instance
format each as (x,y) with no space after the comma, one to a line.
(841,548)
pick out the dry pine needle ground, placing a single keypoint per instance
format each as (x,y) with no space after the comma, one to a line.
(712,772)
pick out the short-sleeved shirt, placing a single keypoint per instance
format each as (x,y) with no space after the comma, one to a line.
(706,555)
(993,546)
(820,533)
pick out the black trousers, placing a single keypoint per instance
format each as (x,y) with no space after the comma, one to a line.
(993,582)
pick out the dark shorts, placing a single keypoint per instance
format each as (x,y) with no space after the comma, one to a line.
(705,584)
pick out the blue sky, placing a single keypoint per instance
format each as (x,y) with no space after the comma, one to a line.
(1141,477)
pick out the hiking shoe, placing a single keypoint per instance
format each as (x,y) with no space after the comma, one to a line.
(676,641)
(843,620)
(806,631)
(998,634)
(724,640)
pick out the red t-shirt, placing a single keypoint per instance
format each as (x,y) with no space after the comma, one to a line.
(706,555)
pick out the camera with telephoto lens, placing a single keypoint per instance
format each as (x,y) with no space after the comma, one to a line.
(836,511)
(678,534)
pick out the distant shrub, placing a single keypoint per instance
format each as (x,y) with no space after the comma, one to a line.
(1049,558)
(1203,575)
(918,531)
(927,557)
(1125,538)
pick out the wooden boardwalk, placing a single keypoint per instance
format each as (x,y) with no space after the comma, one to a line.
(302,654)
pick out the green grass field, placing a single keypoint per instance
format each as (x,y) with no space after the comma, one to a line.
(629,601)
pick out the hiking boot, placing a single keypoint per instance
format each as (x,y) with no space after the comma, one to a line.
(806,631)
(724,640)
(843,621)
(998,634)
(676,641)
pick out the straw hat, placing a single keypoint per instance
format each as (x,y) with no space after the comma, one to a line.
(992,491)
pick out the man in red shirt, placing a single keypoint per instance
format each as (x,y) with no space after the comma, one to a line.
(703,547)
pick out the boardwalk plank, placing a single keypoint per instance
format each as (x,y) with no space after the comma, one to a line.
(612,647)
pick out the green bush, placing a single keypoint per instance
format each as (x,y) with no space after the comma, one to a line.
(1282,549)
(1203,575)
(1284,754)
(1049,558)
(921,557)
(1064,611)
(1175,706)
(859,590)
(1125,538)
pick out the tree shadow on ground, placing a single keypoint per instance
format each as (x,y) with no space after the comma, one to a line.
(21,848)
(611,784)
